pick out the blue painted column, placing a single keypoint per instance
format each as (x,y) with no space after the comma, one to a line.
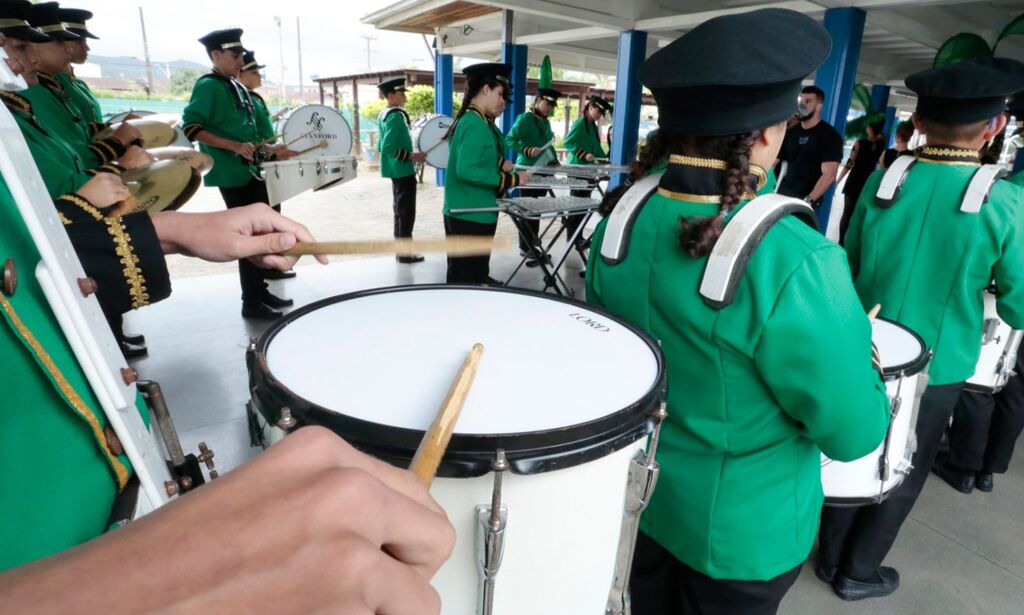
(516,56)
(880,100)
(891,122)
(628,98)
(444,93)
(837,76)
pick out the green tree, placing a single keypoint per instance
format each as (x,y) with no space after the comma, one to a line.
(372,109)
(419,100)
(183,80)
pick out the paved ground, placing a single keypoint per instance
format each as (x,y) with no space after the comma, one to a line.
(957,554)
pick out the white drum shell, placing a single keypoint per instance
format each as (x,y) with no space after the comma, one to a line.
(428,136)
(998,353)
(288,178)
(860,480)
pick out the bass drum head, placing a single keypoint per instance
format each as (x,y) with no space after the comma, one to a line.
(428,136)
(309,125)
(559,383)
(901,351)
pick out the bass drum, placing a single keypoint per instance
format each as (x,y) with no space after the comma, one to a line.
(180,140)
(428,134)
(306,127)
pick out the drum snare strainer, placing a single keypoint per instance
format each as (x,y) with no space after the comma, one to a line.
(548,469)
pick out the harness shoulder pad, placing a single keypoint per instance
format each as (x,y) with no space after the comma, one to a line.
(620,222)
(739,240)
(893,179)
(976,193)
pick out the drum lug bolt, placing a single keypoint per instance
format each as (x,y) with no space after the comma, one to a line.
(206,456)
(286,422)
(10,277)
(129,374)
(87,286)
(171,487)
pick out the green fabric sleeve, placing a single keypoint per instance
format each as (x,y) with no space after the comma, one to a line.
(521,135)
(814,354)
(593,291)
(477,162)
(1008,271)
(200,107)
(854,231)
(390,135)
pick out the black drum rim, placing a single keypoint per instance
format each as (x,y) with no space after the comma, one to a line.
(912,367)
(468,455)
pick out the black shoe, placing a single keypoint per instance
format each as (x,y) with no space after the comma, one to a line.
(138,340)
(260,311)
(983,481)
(848,589)
(274,274)
(408,260)
(492,282)
(961,480)
(276,302)
(133,351)
(825,573)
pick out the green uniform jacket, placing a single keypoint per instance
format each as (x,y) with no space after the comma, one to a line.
(530,130)
(474,178)
(583,138)
(756,391)
(1017,179)
(264,126)
(52,105)
(927,263)
(395,144)
(222,107)
(59,477)
(60,165)
(81,97)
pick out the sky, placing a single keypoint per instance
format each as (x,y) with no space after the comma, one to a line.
(331,31)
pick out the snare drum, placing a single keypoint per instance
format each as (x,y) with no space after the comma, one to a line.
(428,134)
(872,478)
(998,358)
(375,366)
(288,178)
(305,127)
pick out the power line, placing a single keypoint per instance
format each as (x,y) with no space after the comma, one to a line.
(369,50)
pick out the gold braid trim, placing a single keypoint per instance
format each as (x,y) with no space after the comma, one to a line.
(63,219)
(67,391)
(14,100)
(690,198)
(704,163)
(123,247)
(949,152)
(760,174)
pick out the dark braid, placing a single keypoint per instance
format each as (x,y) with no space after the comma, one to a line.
(699,235)
(657,148)
(473,87)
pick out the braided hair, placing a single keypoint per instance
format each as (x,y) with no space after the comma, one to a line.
(697,235)
(473,87)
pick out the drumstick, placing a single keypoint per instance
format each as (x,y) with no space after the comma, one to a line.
(456,245)
(309,149)
(268,140)
(874,311)
(302,136)
(435,441)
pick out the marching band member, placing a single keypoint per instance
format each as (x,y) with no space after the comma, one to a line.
(79,91)
(477,170)
(927,263)
(584,146)
(221,116)
(758,389)
(529,138)
(397,158)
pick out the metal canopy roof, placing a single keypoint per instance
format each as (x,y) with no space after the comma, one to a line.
(900,36)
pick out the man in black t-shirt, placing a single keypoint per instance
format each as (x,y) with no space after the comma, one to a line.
(812,150)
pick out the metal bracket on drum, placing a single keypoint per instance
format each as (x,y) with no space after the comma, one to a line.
(490,537)
(185,469)
(895,403)
(643,476)
(991,331)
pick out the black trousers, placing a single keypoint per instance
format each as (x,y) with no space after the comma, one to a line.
(986,427)
(533,224)
(468,269)
(250,276)
(404,191)
(856,540)
(663,585)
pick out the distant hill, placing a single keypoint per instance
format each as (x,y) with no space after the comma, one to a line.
(134,69)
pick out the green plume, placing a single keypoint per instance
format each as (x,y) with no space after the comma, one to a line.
(1014,27)
(545,74)
(963,46)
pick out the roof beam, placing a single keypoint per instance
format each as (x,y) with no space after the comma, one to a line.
(888,4)
(560,10)
(686,21)
(566,36)
(387,17)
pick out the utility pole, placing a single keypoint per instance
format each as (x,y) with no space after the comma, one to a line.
(369,51)
(298,38)
(145,51)
(280,46)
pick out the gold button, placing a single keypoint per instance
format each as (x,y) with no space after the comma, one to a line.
(10,277)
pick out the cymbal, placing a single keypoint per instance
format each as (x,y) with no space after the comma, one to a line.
(197,160)
(162,185)
(154,133)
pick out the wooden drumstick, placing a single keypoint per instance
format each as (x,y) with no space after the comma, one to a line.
(300,137)
(456,245)
(874,311)
(320,145)
(270,140)
(434,443)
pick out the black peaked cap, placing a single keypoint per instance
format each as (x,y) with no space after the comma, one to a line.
(14,22)
(967,91)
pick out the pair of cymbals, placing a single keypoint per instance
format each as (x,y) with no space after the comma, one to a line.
(197,160)
(164,185)
(155,133)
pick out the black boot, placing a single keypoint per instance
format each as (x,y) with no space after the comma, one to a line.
(983,481)
(887,581)
(961,480)
(276,302)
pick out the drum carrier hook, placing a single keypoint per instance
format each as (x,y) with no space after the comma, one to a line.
(642,477)
(490,536)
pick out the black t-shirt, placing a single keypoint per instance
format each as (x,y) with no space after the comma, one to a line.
(806,151)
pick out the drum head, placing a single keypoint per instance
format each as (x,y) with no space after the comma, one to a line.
(559,382)
(429,138)
(901,350)
(310,125)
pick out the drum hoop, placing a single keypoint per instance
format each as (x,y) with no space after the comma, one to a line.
(912,367)
(468,455)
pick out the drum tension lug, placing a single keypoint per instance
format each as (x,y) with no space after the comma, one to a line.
(286,422)
(490,536)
